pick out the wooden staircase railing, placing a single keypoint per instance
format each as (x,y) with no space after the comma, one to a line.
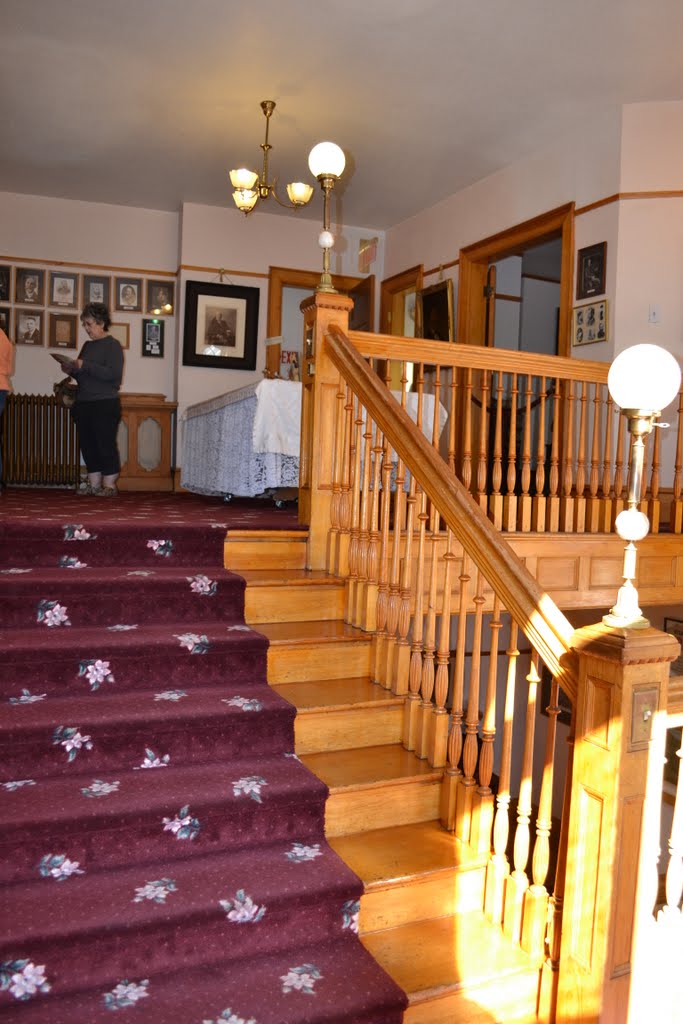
(464,632)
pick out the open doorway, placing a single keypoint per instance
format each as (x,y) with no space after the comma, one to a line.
(526,299)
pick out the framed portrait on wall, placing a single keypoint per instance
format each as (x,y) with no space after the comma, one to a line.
(434,312)
(221,325)
(6,320)
(153,338)
(63,289)
(29,286)
(589,323)
(63,331)
(160,298)
(128,294)
(5,284)
(29,326)
(122,334)
(590,276)
(96,288)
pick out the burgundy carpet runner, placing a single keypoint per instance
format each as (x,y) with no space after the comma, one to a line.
(163,852)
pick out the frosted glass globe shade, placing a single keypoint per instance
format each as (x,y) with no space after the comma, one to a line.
(644,377)
(326,160)
(325,239)
(632,524)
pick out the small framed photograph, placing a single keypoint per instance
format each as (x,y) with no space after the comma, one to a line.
(589,323)
(29,326)
(63,289)
(153,338)
(434,312)
(5,284)
(29,286)
(128,294)
(590,276)
(160,298)
(122,334)
(96,289)
(6,320)
(221,325)
(63,332)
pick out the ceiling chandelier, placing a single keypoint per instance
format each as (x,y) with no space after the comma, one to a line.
(249,186)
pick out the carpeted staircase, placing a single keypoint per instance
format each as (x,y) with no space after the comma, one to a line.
(163,850)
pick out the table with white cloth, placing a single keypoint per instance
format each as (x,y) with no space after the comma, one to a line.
(246,443)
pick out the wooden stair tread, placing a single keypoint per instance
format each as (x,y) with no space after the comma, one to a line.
(390,856)
(344,770)
(428,958)
(289,578)
(335,694)
(268,535)
(315,632)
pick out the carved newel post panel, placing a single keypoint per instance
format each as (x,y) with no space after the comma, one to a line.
(623,682)
(320,382)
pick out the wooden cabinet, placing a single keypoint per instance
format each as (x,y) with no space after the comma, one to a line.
(146,442)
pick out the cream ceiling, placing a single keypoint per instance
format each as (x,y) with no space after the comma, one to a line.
(149,102)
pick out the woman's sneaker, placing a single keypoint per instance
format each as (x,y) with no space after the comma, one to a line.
(86,490)
(107,492)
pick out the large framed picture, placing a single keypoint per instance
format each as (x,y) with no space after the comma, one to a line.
(63,331)
(29,286)
(590,277)
(589,323)
(160,298)
(434,312)
(63,289)
(5,284)
(96,288)
(128,294)
(221,325)
(153,338)
(29,326)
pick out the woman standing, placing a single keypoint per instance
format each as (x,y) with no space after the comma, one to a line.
(6,371)
(97,410)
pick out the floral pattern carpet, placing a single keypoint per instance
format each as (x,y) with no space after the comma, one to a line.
(163,851)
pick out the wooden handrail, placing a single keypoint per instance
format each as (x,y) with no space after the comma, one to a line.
(544,624)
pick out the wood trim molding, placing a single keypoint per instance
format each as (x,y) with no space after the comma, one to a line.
(619,196)
(89,266)
(280,278)
(390,286)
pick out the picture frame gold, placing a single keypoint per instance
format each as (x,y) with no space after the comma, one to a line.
(121,332)
(434,312)
(590,323)
(63,330)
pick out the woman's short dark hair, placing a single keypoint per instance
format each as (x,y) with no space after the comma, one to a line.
(98,312)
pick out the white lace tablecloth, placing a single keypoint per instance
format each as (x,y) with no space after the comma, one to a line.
(219,456)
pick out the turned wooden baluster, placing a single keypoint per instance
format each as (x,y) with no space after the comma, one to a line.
(654,505)
(427,683)
(496,498)
(363,542)
(401,669)
(453,773)
(676,517)
(538,505)
(354,548)
(580,481)
(553,503)
(674,870)
(482,811)
(482,496)
(518,882)
(619,469)
(498,868)
(466,463)
(438,728)
(536,899)
(380,637)
(470,749)
(335,504)
(411,712)
(524,502)
(510,500)
(345,503)
(605,524)
(593,510)
(369,612)
(567,502)
(395,572)
(452,417)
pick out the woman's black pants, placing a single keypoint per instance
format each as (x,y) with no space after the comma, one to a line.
(97,424)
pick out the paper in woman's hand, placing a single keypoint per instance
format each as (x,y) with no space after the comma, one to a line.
(65,362)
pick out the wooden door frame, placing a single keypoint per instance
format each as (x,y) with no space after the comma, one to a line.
(474,261)
(391,286)
(280,278)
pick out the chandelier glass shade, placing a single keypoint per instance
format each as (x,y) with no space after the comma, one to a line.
(249,186)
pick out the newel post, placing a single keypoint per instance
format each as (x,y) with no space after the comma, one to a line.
(623,680)
(320,382)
